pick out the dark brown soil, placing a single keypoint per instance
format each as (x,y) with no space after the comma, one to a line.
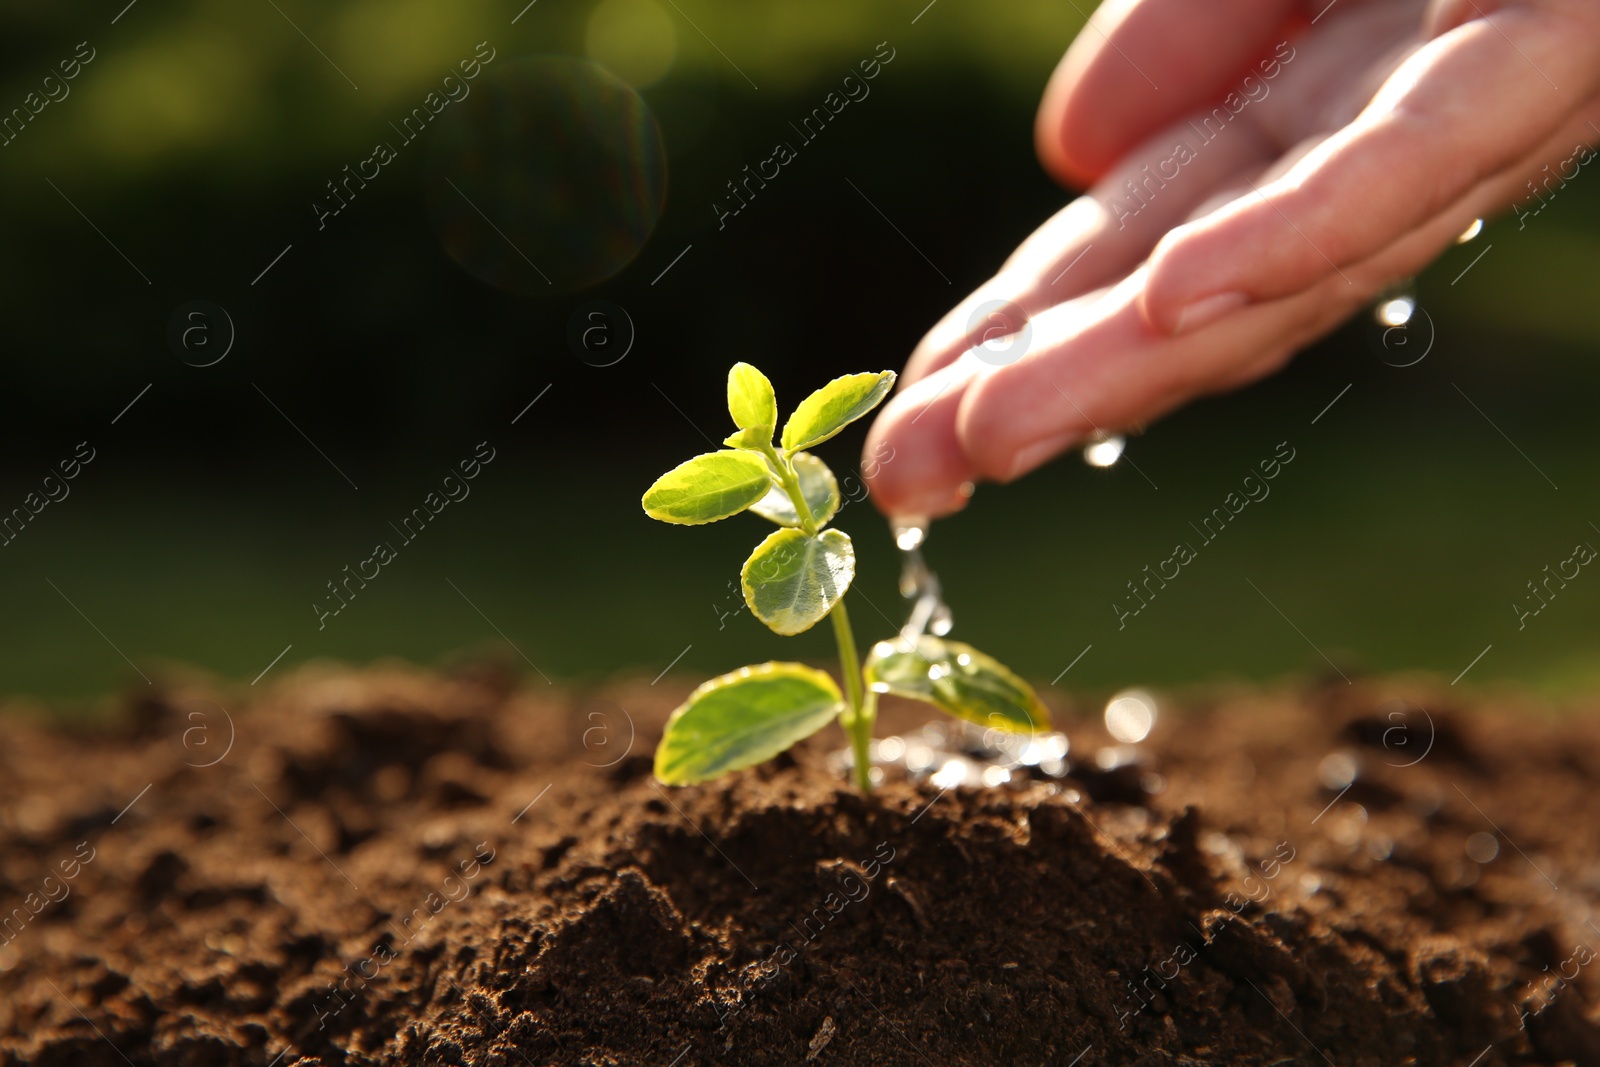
(361,879)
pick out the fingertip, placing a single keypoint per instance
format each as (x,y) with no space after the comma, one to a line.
(1065,144)
(913,462)
(925,505)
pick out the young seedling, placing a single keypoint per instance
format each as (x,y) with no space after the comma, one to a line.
(794,579)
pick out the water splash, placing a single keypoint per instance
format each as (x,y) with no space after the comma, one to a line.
(952,753)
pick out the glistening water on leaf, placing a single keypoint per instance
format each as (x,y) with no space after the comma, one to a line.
(793,580)
(956,678)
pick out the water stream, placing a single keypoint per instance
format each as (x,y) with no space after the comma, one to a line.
(918,583)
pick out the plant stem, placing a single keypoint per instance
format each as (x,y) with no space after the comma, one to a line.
(863,706)
(863,710)
(791,485)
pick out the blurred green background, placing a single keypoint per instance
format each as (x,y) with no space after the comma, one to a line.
(207,524)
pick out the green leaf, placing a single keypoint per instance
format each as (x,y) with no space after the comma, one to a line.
(756,440)
(751,401)
(958,679)
(791,581)
(817,485)
(744,718)
(833,407)
(708,488)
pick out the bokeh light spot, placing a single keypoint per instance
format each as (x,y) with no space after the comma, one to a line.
(634,39)
(1130,715)
(1482,847)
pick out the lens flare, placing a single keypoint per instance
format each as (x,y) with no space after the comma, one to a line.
(550,177)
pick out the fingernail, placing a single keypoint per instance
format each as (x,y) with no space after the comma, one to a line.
(1206,310)
(1036,454)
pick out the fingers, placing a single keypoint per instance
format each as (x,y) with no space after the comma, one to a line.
(928,468)
(1094,240)
(1102,367)
(1140,65)
(1094,364)
(1108,370)
(1455,112)
(1105,369)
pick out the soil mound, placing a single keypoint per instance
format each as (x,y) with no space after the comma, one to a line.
(389,867)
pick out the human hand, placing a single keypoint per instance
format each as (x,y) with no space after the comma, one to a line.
(1365,139)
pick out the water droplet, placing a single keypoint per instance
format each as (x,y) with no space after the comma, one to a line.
(1482,847)
(1470,232)
(937,671)
(1104,449)
(913,574)
(910,533)
(1130,715)
(942,620)
(1396,311)
(964,660)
